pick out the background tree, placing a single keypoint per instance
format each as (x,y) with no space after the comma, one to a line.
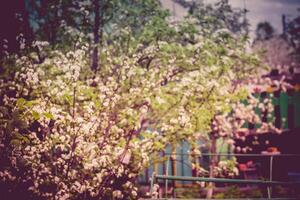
(220,15)
(293,34)
(16,31)
(62,23)
(264,31)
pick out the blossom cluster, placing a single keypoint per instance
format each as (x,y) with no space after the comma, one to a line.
(226,168)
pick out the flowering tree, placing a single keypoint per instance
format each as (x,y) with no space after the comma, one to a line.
(69,133)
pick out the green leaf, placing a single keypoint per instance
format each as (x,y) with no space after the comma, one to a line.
(21,102)
(36,115)
(48,115)
(122,142)
(30,103)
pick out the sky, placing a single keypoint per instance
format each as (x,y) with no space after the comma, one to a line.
(268,10)
(259,11)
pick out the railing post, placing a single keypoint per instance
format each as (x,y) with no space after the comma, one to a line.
(270,177)
(166,181)
(152,182)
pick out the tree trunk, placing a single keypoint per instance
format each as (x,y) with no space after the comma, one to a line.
(27,30)
(96,35)
(212,165)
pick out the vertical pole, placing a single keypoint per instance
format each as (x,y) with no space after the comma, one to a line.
(166,180)
(270,178)
(152,182)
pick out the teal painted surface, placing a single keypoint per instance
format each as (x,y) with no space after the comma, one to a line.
(296,102)
(290,103)
(184,167)
(188,166)
(283,101)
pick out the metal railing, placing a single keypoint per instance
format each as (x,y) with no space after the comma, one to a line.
(268,183)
